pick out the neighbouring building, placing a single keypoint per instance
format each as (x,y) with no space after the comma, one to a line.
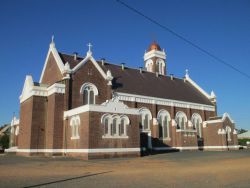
(94,109)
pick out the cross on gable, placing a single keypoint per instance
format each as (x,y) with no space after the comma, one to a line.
(90,46)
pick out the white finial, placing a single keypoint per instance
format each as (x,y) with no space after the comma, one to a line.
(212,94)
(52,44)
(52,39)
(109,77)
(187,73)
(90,46)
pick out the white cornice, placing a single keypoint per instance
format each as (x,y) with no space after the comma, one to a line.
(53,50)
(225,115)
(154,53)
(160,101)
(111,106)
(197,87)
(91,58)
(30,89)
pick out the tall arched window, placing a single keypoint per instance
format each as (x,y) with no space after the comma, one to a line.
(161,66)
(115,126)
(145,119)
(228,133)
(89,91)
(75,124)
(181,120)
(197,124)
(149,65)
(164,121)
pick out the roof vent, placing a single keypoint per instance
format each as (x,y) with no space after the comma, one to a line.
(123,66)
(103,61)
(140,69)
(184,79)
(75,55)
(172,76)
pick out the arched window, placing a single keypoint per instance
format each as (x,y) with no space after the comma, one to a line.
(75,124)
(89,91)
(145,119)
(197,124)
(181,120)
(164,121)
(161,66)
(228,133)
(115,126)
(149,65)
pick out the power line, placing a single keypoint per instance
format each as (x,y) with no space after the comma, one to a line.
(184,39)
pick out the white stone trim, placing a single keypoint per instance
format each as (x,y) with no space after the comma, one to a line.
(154,53)
(186,130)
(91,58)
(29,89)
(53,50)
(114,137)
(195,147)
(14,121)
(225,115)
(98,150)
(108,107)
(160,101)
(197,87)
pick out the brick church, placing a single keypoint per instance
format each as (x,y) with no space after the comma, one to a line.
(95,109)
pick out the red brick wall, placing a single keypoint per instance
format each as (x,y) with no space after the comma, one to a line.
(88,73)
(52,72)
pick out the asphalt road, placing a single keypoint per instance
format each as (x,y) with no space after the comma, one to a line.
(179,169)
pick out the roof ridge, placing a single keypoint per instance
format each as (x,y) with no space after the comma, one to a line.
(100,61)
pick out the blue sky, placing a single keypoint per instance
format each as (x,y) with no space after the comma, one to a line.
(119,35)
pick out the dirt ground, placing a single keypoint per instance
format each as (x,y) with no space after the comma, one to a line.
(180,169)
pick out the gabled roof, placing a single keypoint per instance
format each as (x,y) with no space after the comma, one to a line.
(244,135)
(70,59)
(132,81)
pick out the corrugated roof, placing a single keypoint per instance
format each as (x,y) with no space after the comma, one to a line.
(132,81)
(244,135)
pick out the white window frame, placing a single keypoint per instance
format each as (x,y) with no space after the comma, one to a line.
(161,66)
(161,116)
(75,125)
(118,118)
(228,133)
(196,117)
(181,115)
(89,87)
(143,112)
(149,65)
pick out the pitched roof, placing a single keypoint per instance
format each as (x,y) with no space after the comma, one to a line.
(244,135)
(132,81)
(70,59)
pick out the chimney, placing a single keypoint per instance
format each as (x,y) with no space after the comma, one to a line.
(123,66)
(140,69)
(157,74)
(75,55)
(103,61)
(172,76)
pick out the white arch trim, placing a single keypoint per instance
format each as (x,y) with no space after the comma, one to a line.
(181,114)
(163,112)
(144,110)
(88,84)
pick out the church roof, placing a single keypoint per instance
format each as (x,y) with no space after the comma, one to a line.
(70,59)
(132,81)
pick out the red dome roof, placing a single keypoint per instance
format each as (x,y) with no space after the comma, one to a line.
(154,46)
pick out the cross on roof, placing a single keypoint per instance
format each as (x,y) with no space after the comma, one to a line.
(89,45)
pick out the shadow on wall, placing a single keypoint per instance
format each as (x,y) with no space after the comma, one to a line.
(157,143)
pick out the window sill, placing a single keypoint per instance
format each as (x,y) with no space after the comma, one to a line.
(75,138)
(186,130)
(165,139)
(114,137)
